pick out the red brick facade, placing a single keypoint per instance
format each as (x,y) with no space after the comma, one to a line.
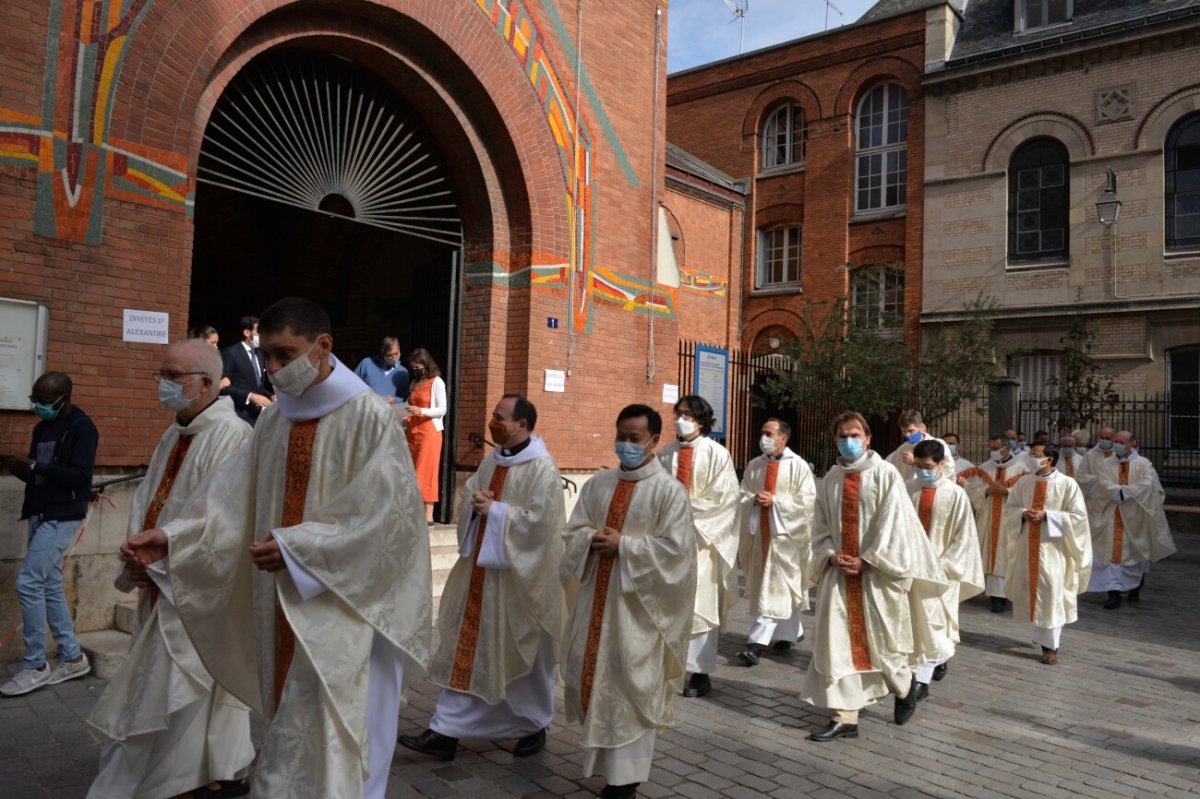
(717,112)
(496,85)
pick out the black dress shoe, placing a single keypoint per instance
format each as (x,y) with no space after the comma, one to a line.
(620,791)
(530,744)
(783,646)
(752,654)
(906,707)
(922,691)
(835,729)
(998,603)
(429,742)
(1113,601)
(940,671)
(697,685)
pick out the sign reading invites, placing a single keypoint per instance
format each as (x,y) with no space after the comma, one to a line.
(146,327)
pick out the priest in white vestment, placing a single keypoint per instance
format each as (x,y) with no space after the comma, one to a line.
(502,610)
(913,430)
(869,554)
(705,470)
(170,729)
(988,485)
(1069,460)
(303,575)
(1048,555)
(630,571)
(1129,525)
(949,522)
(961,464)
(778,492)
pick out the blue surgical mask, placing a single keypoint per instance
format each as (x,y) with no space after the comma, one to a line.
(927,476)
(1105,445)
(1012,444)
(1120,450)
(953,450)
(47,411)
(170,395)
(850,448)
(631,455)
(915,438)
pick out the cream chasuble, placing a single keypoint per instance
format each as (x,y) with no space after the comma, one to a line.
(776,541)
(947,518)
(947,468)
(961,465)
(1129,526)
(329,476)
(989,508)
(705,469)
(1089,467)
(1046,563)
(503,594)
(172,730)
(863,622)
(1069,463)
(628,627)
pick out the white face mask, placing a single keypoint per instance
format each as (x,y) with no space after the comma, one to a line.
(254,341)
(684,427)
(768,445)
(997,456)
(297,376)
(171,397)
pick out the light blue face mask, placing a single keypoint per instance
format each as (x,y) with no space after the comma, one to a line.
(1105,445)
(915,438)
(1120,450)
(927,476)
(170,395)
(47,411)
(953,450)
(631,455)
(850,448)
(1012,445)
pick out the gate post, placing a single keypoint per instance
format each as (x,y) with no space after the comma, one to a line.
(1003,403)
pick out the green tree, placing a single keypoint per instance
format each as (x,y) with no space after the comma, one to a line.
(1081,392)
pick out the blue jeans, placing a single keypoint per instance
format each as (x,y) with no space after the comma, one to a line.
(40,591)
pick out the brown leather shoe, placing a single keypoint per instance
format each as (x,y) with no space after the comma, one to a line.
(1050,656)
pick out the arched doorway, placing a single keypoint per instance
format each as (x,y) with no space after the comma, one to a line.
(317,178)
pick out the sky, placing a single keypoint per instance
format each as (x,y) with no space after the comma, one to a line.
(700,31)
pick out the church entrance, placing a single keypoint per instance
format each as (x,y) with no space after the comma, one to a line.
(317,179)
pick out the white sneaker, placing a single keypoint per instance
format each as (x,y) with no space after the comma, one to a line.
(66,670)
(26,680)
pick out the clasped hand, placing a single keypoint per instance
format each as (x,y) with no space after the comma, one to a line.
(481,501)
(848,565)
(1033,515)
(764,499)
(607,542)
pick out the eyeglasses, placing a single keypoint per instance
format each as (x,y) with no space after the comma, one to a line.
(161,375)
(55,401)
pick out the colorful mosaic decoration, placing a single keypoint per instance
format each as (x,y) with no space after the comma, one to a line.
(712,285)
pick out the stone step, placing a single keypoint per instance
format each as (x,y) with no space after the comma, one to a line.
(106,649)
(125,618)
(443,557)
(443,535)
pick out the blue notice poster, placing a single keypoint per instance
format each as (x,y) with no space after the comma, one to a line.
(711,381)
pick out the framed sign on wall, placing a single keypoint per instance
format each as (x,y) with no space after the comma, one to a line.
(23,335)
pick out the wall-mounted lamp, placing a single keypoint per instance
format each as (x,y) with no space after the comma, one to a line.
(1108,207)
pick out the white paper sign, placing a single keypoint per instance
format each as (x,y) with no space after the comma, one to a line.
(670,393)
(149,327)
(556,381)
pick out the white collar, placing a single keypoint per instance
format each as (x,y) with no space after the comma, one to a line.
(215,413)
(536,449)
(325,397)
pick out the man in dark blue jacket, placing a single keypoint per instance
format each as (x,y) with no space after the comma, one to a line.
(57,474)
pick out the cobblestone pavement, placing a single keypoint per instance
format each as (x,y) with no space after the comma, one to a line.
(1118,717)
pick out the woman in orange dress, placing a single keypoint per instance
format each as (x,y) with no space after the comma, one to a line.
(426,409)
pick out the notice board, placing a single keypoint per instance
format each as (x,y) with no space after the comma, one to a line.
(23,331)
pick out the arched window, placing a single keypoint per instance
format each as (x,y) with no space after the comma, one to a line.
(881,148)
(785,137)
(1183,184)
(877,296)
(1038,201)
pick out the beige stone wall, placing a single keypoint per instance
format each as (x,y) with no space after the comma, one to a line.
(973,128)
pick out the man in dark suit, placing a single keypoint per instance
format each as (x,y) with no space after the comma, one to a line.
(249,386)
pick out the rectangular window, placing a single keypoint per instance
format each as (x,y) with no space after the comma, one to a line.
(1032,14)
(1183,384)
(877,297)
(779,257)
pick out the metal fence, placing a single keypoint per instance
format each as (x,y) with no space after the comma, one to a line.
(970,423)
(1166,435)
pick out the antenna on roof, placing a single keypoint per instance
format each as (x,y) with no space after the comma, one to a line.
(828,5)
(739,13)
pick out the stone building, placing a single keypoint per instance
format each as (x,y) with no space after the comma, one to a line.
(484,179)
(1035,103)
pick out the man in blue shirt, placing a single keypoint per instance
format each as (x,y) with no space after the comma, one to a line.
(384,373)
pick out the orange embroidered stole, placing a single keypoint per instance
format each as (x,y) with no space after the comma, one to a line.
(468,633)
(1070,466)
(997,512)
(925,508)
(299,467)
(683,471)
(764,514)
(174,464)
(1035,544)
(860,650)
(618,506)
(1119,523)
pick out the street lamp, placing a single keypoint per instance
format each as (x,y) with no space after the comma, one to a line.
(1108,207)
